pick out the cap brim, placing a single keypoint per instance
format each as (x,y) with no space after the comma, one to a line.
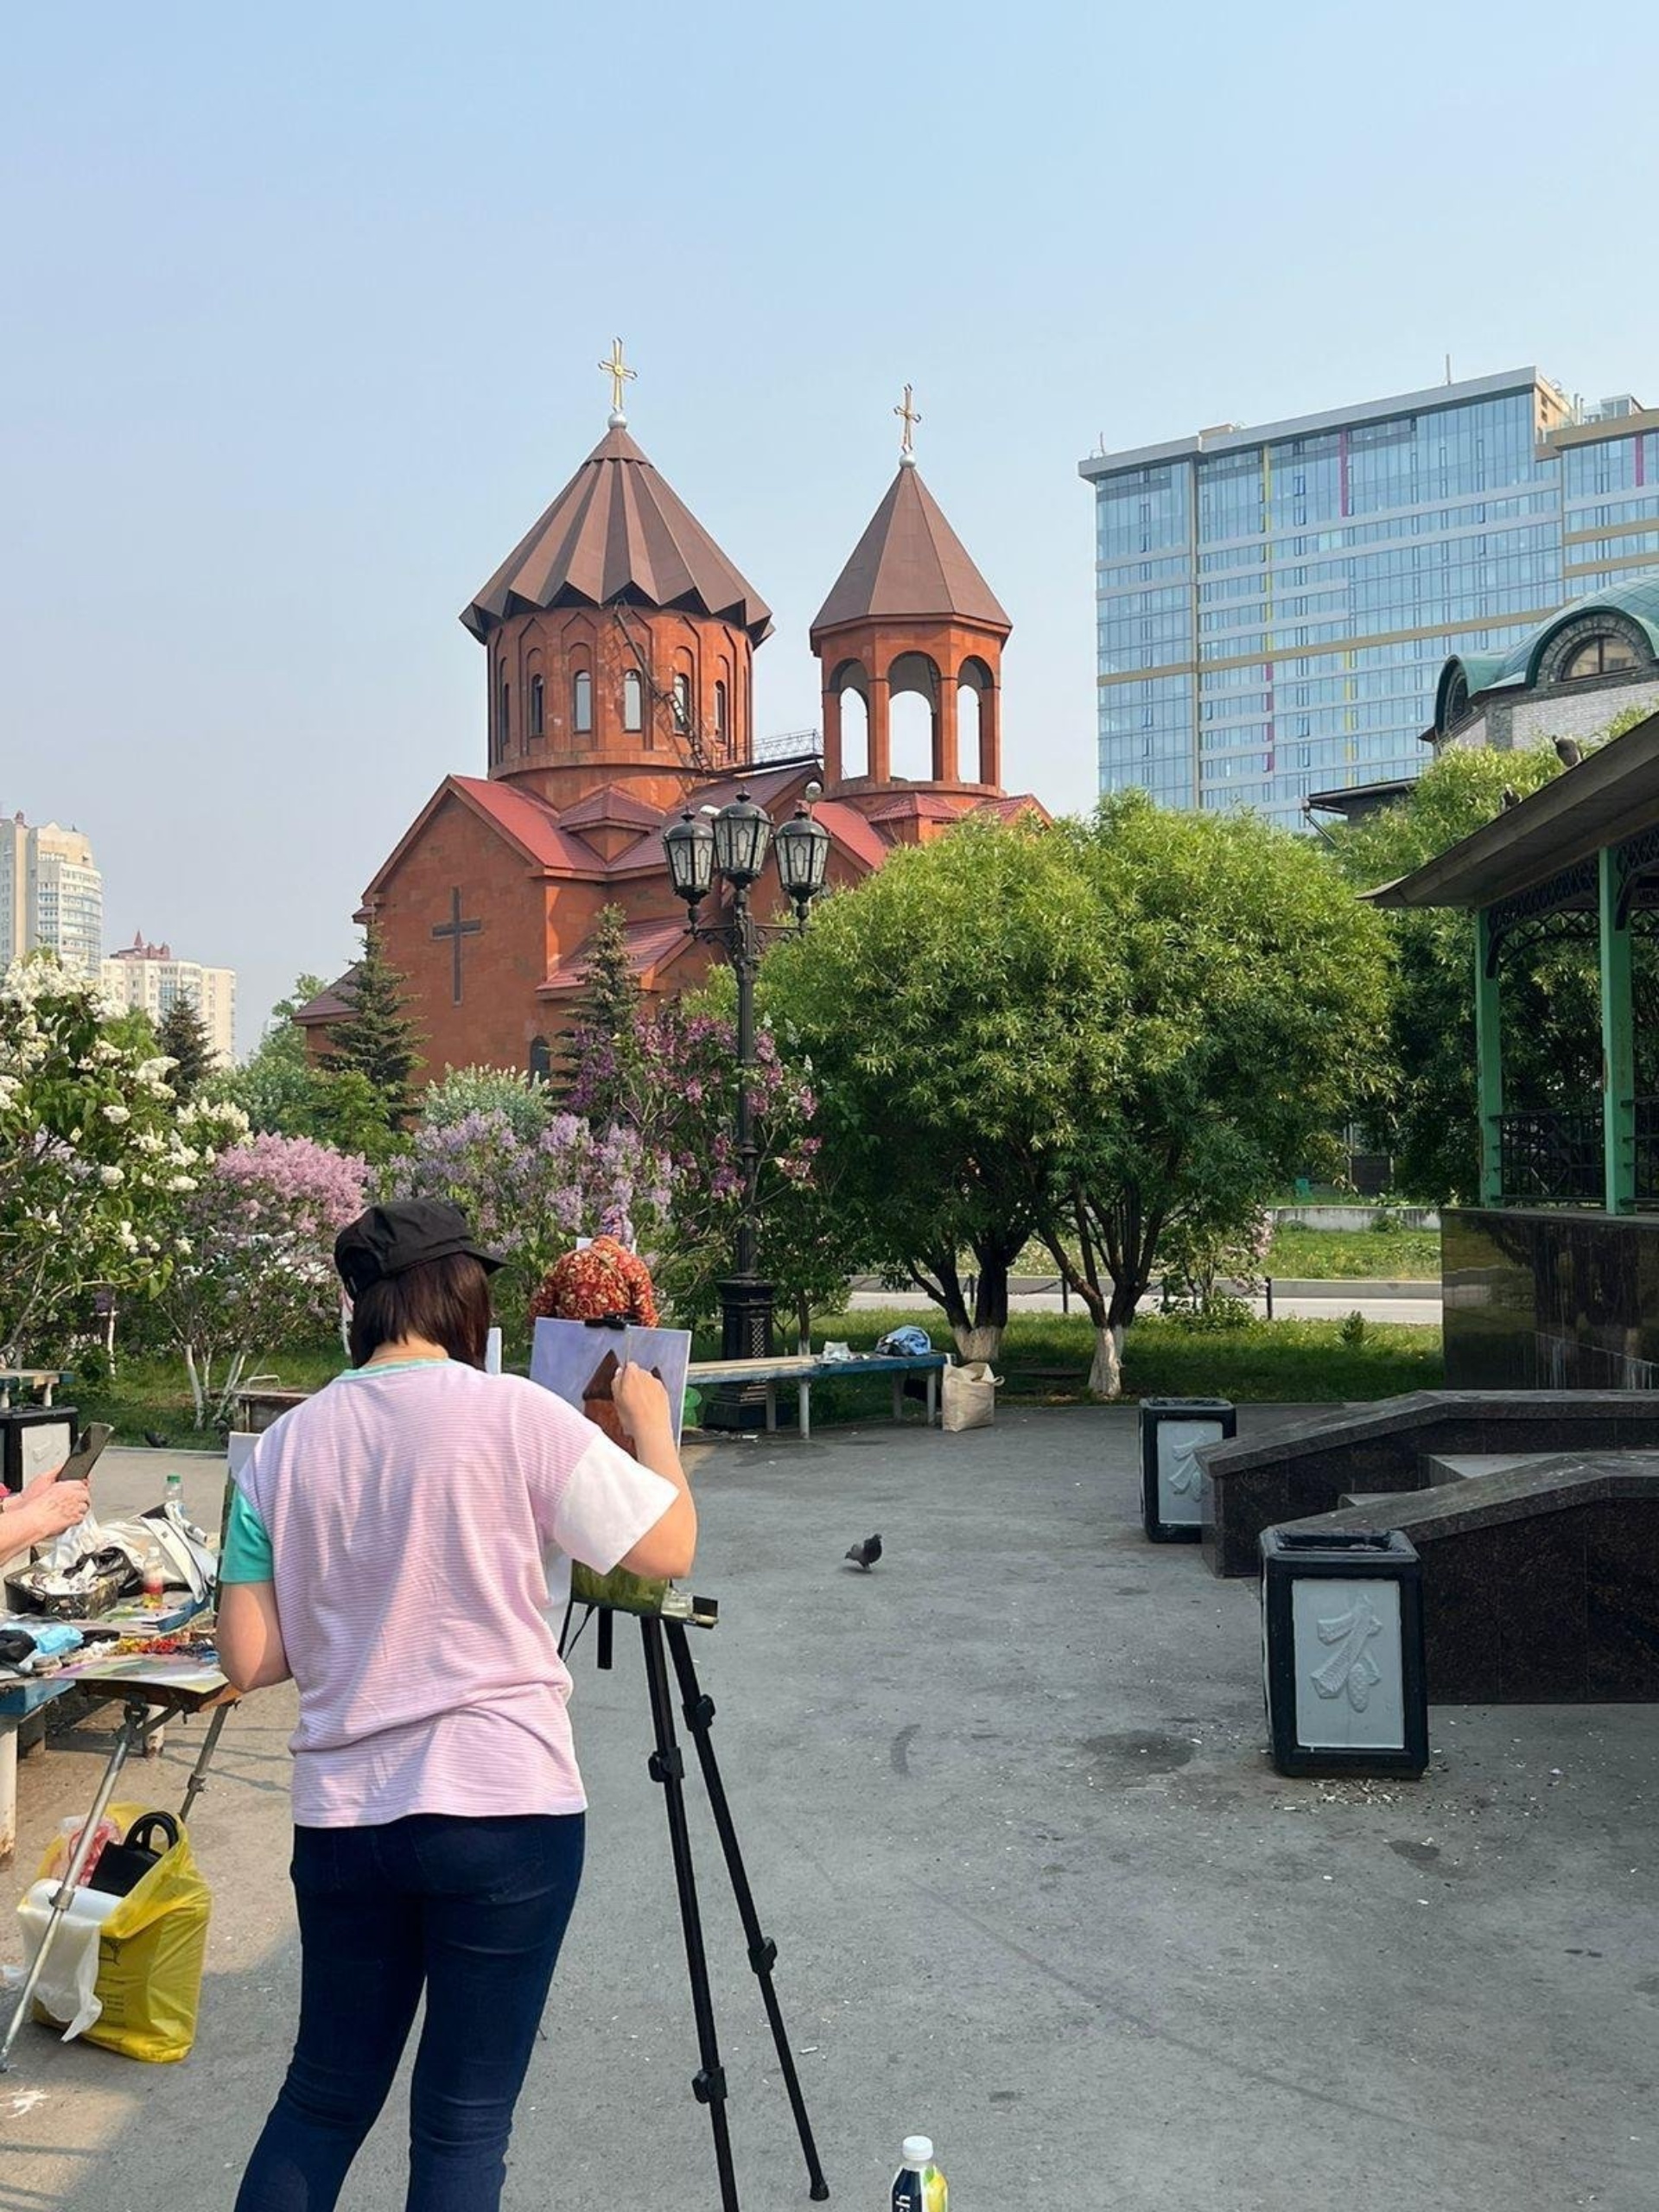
(492,1262)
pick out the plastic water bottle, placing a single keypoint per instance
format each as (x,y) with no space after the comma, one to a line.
(919,2186)
(175,1494)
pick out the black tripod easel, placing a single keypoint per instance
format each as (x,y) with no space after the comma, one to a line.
(664,1639)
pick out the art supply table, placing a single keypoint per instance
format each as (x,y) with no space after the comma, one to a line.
(152,1689)
(20,1700)
(805,1368)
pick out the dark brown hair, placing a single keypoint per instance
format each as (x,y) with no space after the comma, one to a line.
(446,1302)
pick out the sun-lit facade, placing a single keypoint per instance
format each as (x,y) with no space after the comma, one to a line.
(1274,605)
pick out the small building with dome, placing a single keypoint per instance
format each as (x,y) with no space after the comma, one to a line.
(1571,677)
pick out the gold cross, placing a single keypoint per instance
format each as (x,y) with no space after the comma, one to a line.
(619,373)
(910,418)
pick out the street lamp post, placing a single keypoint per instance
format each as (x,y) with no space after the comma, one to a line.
(733,847)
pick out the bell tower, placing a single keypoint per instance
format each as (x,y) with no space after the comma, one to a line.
(911,613)
(619,638)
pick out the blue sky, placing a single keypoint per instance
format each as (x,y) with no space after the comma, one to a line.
(302,307)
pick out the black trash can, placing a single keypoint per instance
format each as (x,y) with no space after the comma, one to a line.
(33,1440)
(1172,1487)
(1342,1651)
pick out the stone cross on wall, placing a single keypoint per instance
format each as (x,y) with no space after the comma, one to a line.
(454,929)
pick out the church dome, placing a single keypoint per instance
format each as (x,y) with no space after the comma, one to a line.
(1605,631)
(618,532)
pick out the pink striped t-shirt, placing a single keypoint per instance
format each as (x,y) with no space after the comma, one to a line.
(422,1520)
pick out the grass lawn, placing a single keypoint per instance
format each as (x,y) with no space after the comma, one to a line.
(1335,1254)
(1045,1362)
(155,1394)
(1045,1359)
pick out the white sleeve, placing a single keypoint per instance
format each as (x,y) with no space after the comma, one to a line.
(606,1504)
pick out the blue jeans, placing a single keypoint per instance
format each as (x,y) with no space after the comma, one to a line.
(472,1910)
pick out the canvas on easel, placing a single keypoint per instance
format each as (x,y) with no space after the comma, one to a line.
(578,1362)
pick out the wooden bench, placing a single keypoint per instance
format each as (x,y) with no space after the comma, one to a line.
(803,1370)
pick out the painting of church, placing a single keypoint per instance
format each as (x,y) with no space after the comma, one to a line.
(618,642)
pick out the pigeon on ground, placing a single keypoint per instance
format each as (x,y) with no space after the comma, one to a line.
(155,1441)
(1512,797)
(1568,751)
(866,1554)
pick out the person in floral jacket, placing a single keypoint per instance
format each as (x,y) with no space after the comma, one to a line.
(602,1282)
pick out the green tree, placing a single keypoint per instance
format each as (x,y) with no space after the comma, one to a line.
(1427,1118)
(1251,1001)
(183,1036)
(950,1010)
(378,1041)
(95,1156)
(601,1058)
(283,1090)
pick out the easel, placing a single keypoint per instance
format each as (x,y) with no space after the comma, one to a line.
(664,1639)
(147,1708)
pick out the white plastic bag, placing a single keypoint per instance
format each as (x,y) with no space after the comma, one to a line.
(967,1395)
(67,1989)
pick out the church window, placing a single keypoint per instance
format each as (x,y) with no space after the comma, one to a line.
(582,701)
(503,721)
(1599,657)
(633,704)
(537,708)
(540,1059)
(720,711)
(681,703)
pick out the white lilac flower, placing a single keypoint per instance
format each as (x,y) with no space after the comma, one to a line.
(116,1115)
(111,1178)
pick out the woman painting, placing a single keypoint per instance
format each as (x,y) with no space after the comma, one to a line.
(386,1547)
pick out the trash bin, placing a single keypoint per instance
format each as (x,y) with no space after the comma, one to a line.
(1342,1651)
(33,1440)
(1171,1485)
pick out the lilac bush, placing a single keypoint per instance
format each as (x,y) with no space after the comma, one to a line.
(529,1197)
(254,1264)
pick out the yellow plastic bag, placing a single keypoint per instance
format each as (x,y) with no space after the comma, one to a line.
(150,1952)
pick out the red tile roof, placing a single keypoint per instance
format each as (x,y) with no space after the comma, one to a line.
(852,832)
(617,531)
(648,945)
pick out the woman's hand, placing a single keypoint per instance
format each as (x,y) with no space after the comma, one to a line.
(641,1402)
(52,1507)
(44,1510)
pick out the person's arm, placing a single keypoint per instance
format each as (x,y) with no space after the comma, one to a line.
(251,1653)
(45,1509)
(670,1545)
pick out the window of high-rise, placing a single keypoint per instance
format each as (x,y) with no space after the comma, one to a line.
(1275,605)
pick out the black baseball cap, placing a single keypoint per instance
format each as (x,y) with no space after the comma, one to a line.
(391,1240)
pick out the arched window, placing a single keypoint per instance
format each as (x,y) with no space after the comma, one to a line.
(540,1059)
(582,702)
(633,704)
(681,703)
(504,718)
(720,712)
(537,708)
(1599,656)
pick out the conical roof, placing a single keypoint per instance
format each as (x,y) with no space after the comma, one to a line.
(910,563)
(617,531)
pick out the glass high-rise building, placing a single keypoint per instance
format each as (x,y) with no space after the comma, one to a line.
(1273,605)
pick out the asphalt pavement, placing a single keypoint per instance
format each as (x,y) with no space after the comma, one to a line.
(1036,1889)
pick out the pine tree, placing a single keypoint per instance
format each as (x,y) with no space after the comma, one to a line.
(183,1036)
(610,989)
(378,1041)
(602,1053)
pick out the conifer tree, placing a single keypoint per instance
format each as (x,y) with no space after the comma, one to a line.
(378,1041)
(182,1035)
(602,1053)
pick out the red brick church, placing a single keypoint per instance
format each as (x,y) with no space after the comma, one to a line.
(619,644)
